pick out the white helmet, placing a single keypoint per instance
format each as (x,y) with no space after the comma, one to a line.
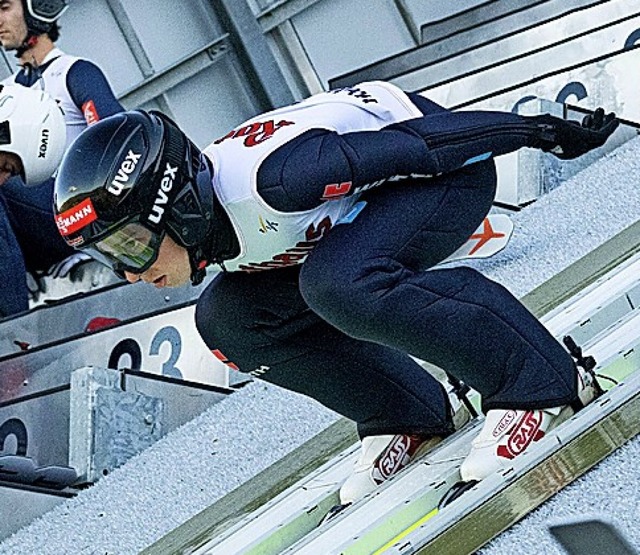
(32,127)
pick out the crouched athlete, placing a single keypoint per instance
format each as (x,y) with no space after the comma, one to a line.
(326,217)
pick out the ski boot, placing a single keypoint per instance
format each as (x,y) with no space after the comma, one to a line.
(507,433)
(384,456)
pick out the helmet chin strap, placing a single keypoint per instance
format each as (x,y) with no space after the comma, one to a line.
(198,264)
(29,42)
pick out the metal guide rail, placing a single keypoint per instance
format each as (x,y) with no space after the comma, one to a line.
(56,443)
(564,47)
(401,515)
(35,385)
(157,358)
(71,316)
(463,32)
(599,304)
(37,382)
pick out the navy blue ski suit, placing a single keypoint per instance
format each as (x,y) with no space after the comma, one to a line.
(341,326)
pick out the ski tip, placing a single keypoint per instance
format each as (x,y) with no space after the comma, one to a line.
(456,491)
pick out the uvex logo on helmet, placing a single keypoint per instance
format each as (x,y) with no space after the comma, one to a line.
(44,143)
(127,167)
(162,198)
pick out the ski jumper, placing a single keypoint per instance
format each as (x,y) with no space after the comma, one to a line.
(341,205)
(29,240)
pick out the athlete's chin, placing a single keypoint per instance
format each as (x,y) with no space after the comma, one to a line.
(180,282)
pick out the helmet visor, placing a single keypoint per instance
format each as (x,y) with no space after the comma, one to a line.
(131,248)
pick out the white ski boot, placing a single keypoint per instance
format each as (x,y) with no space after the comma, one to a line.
(384,456)
(507,433)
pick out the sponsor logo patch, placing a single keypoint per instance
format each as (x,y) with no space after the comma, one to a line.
(76,242)
(255,133)
(485,236)
(90,112)
(526,431)
(395,457)
(335,191)
(294,255)
(267,225)
(398,454)
(504,423)
(356,92)
(74,219)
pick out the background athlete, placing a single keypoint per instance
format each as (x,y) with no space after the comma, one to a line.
(28,240)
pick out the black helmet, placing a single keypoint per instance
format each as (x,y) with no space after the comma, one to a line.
(41,15)
(125,182)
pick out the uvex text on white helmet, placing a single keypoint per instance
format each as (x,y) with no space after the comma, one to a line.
(32,127)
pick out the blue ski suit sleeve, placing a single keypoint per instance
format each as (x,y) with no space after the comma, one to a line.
(87,83)
(294,176)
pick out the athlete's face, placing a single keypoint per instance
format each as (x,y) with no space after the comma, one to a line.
(171,268)
(10,165)
(13,27)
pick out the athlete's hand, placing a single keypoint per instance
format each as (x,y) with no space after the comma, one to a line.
(570,139)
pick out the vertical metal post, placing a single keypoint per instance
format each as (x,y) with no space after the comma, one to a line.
(137,50)
(130,36)
(253,50)
(405,14)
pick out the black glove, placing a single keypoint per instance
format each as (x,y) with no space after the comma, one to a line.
(568,139)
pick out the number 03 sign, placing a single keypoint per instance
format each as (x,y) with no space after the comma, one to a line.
(167,344)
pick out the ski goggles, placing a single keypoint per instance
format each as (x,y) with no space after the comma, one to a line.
(131,248)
